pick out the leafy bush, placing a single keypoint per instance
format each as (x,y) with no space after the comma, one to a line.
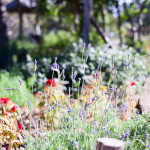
(9,81)
(125,62)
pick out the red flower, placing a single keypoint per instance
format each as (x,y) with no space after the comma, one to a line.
(20,127)
(50,82)
(14,108)
(36,94)
(132,83)
(4,100)
(7,113)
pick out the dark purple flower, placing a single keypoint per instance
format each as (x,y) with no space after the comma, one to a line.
(74,128)
(94,123)
(94,132)
(96,74)
(74,75)
(17,106)
(35,61)
(20,81)
(123,136)
(123,91)
(53,107)
(64,67)
(146,135)
(67,119)
(93,99)
(148,146)
(107,132)
(28,102)
(69,110)
(52,68)
(75,144)
(122,108)
(79,79)
(127,132)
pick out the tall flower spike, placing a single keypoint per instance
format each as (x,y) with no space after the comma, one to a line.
(20,81)
(75,144)
(35,65)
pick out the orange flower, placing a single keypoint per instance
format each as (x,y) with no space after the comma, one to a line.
(91,87)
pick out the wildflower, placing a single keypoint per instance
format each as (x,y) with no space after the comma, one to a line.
(51,68)
(148,146)
(7,113)
(20,81)
(50,82)
(53,107)
(35,94)
(146,135)
(132,83)
(137,112)
(79,79)
(94,132)
(75,144)
(122,108)
(69,110)
(35,65)
(55,58)
(74,128)
(97,67)
(127,132)
(64,67)
(67,119)
(14,108)
(94,123)
(107,132)
(35,61)
(20,127)
(17,106)
(93,99)
(4,100)
(28,102)
(58,148)
(123,136)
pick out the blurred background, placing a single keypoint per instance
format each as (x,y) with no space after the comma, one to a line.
(44,29)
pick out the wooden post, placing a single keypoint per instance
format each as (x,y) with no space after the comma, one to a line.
(109,144)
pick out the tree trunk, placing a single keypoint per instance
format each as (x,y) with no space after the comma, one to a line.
(87,11)
(119,25)
(109,144)
(103,18)
(3,27)
(100,32)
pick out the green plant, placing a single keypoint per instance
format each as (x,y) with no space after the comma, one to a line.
(9,81)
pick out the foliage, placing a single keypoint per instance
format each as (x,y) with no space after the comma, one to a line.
(125,62)
(19,96)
